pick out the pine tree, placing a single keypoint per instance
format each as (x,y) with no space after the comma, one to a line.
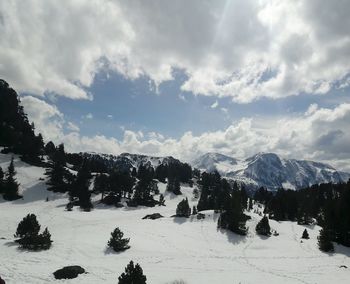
(57,172)
(194,210)
(232,218)
(28,234)
(263,227)
(1,180)
(10,188)
(324,241)
(161,201)
(80,187)
(117,242)
(250,205)
(132,275)
(183,209)
(174,186)
(29,226)
(305,235)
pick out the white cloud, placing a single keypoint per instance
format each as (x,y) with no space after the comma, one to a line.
(47,118)
(88,116)
(73,127)
(215,104)
(243,49)
(320,134)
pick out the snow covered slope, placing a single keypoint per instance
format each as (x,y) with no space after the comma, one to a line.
(168,249)
(271,171)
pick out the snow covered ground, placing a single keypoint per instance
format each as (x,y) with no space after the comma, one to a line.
(168,249)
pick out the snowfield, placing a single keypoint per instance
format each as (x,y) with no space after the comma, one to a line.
(167,249)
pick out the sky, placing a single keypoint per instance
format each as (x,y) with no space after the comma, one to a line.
(184,78)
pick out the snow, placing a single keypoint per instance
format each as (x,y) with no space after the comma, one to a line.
(270,171)
(168,249)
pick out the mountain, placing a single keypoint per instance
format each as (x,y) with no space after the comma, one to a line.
(124,161)
(270,170)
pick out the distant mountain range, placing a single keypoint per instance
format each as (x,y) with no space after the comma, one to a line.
(263,169)
(270,170)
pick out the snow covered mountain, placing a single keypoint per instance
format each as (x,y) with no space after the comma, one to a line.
(123,161)
(271,171)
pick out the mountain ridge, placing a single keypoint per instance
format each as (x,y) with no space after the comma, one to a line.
(270,170)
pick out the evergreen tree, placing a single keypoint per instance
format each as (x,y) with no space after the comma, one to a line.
(250,205)
(10,188)
(117,242)
(194,210)
(57,173)
(161,201)
(28,234)
(183,209)
(29,226)
(80,187)
(101,184)
(232,218)
(174,186)
(263,227)
(132,275)
(1,180)
(305,235)
(324,241)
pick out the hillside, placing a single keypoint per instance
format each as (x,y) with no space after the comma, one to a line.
(168,249)
(271,171)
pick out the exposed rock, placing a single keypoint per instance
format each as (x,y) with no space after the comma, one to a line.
(69,272)
(153,216)
(200,216)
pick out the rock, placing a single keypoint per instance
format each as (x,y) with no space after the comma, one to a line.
(2,281)
(111,199)
(341,266)
(69,272)
(153,216)
(200,216)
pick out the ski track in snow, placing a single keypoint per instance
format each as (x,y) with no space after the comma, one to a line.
(168,249)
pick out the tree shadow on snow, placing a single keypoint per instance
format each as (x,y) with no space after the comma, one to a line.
(180,220)
(109,250)
(232,237)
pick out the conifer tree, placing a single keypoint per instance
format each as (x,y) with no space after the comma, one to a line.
(1,180)
(117,242)
(263,227)
(232,218)
(183,209)
(80,187)
(57,172)
(161,201)
(305,235)
(194,210)
(29,226)
(132,275)
(324,241)
(174,186)
(28,234)
(10,188)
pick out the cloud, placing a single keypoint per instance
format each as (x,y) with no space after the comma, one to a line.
(215,104)
(88,116)
(319,134)
(242,49)
(47,118)
(73,127)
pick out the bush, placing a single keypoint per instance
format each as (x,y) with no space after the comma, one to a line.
(117,242)
(132,275)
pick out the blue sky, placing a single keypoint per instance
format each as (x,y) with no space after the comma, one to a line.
(184,78)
